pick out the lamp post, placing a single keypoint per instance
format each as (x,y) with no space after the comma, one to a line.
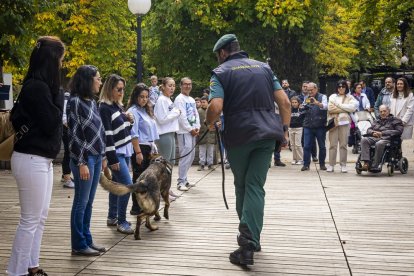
(139,8)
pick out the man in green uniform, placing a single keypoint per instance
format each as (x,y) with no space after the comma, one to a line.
(246,90)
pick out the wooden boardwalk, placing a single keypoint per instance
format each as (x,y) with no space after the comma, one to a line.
(316,223)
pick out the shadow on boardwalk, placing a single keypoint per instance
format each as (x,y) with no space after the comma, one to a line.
(316,223)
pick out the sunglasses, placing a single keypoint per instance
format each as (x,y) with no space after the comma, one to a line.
(121,89)
(341,86)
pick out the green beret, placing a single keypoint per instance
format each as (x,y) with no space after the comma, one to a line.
(223,41)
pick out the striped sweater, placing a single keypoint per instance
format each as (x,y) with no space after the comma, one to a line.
(117,129)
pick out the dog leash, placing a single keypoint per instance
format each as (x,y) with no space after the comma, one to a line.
(198,142)
(222,166)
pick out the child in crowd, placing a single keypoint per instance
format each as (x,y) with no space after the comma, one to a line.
(206,146)
(198,102)
(295,131)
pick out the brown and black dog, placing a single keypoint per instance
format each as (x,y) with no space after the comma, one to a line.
(153,183)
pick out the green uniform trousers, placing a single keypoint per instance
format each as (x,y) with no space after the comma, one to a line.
(250,164)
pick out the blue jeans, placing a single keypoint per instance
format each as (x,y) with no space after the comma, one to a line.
(85,190)
(309,140)
(118,204)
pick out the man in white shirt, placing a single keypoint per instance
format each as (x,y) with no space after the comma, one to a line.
(189,125)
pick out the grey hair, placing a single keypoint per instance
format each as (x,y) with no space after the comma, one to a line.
(386,106)
(313,85)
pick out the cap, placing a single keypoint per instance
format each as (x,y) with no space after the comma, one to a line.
(223,41)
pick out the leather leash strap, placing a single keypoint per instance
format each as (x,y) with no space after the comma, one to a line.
(222,166)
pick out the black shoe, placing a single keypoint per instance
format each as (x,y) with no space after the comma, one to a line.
(97,247)
(322,167)
(86,252)
(279,163)
(258,248)
(305,168)
(39,272)
(242,256)
(135,212)
(314,159)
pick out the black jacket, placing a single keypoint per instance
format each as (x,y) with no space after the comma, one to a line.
(42,111)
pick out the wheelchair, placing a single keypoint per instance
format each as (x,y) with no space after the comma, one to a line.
(392,156)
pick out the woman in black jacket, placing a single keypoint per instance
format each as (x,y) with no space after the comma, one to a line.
(39,111)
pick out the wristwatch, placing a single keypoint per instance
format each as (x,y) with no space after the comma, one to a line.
(285,128)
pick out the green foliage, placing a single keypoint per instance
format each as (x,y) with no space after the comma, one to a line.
(300,38)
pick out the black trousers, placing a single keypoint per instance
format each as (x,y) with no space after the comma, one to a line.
(66,157)
(137,170)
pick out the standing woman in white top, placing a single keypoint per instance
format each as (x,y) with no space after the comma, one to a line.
(340,105)
(402,107)
(166,116)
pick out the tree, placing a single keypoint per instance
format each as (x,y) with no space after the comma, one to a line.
(14,14)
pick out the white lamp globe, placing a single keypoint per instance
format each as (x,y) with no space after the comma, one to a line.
(404,59)
(139,7)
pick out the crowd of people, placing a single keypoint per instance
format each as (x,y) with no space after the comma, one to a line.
(100,133)
(311,111)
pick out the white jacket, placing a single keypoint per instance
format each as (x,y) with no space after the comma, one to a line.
(166,115)
(404,110)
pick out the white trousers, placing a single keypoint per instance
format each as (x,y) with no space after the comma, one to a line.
(186,143)
(206,153)
(34,177)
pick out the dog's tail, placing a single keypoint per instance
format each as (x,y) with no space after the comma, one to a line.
(115,188)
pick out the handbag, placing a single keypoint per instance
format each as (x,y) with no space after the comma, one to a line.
(331,124)
(8,136)
(6,148)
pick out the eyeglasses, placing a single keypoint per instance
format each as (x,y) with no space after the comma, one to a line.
(121,89)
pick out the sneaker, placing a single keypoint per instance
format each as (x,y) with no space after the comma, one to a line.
(323,168)
(201,168)
(188,185)
(344,169)
(125,228)
(68,184)
(182,187)
(330,169)
(300,162)
(279,163)
(314,159)
(294,162)
(111,221)
(210,167)
(305,168)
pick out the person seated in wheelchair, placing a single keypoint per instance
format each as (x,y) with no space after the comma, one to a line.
(379,134)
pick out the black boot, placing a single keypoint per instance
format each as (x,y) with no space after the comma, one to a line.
(242,256)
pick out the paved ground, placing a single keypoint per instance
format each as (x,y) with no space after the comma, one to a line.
(316,223)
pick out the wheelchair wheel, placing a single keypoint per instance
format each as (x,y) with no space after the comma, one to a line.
(390,170)
(403,165)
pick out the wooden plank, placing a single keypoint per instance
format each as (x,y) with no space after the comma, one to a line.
(307,215)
